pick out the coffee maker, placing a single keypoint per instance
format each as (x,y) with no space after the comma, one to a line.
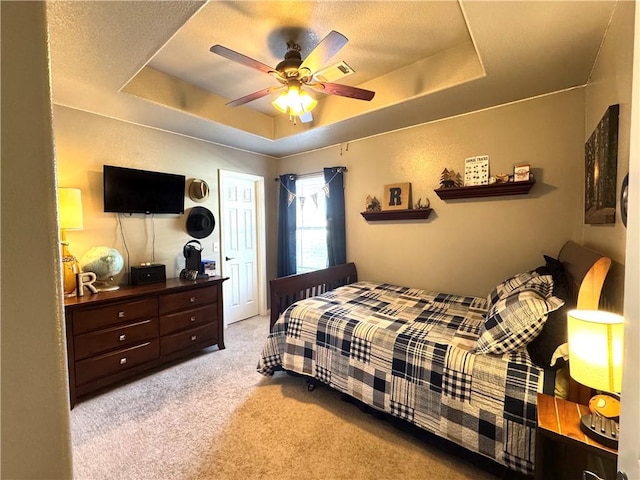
(193,268)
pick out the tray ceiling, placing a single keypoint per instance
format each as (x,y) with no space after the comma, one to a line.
(149,62)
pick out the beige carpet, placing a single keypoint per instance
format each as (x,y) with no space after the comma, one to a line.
(214,417)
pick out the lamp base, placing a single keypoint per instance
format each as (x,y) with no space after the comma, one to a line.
(601,429)
(70,267)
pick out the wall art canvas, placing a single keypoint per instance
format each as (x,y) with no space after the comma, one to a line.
(601,166)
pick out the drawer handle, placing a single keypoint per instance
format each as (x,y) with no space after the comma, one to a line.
(120,314)
(193,319)
(122,337)
(192,299)
(193,337)
(123,360)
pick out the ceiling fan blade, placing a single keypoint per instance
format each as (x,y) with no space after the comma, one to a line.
(242,59)
(327,48)
(343,90)
(253,96)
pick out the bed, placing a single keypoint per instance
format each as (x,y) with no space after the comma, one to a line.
(465,368)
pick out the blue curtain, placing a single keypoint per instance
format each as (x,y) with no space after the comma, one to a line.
(336,230)
(287,226)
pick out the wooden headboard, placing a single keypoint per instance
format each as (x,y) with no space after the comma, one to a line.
(586,270)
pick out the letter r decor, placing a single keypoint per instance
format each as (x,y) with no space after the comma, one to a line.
(397,196)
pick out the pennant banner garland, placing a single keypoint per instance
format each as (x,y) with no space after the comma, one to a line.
(314,196)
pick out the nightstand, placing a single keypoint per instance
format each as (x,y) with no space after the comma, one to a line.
(562,450)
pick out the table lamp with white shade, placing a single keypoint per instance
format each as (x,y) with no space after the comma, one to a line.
(595,360)
(69,218)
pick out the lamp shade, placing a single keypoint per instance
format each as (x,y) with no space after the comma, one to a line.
(295,101)
(70,208)
(595,349)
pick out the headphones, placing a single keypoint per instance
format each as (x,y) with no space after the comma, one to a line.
(191,245)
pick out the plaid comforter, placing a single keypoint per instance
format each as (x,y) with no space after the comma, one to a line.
(408,352)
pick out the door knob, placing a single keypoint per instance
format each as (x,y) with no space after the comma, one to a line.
(228,258)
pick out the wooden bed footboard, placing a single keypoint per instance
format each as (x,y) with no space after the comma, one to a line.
(286,290)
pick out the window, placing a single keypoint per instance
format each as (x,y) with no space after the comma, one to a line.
(311,220)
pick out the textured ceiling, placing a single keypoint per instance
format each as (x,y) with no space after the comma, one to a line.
(149,62)
(443,27)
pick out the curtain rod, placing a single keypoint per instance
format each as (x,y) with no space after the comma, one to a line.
(302,175)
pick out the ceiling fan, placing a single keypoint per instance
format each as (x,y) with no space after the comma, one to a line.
(293,73)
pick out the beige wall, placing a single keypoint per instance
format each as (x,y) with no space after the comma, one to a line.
(84,142)
(610,84)
(466,246)
(36,441)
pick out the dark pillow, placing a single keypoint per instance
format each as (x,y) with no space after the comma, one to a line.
(561,286)
(554,331)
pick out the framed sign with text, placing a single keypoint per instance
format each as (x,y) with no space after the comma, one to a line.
(397,196)
(476,170)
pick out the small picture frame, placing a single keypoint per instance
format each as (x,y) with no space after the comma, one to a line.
(397,196)
(521,173)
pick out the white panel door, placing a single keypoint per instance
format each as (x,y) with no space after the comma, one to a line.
(239,249)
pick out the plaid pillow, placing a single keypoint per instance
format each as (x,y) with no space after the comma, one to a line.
(507,286)
(515,320)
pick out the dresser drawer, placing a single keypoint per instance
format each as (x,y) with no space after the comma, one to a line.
(101,341)
(90,319)
(114,362)
(110,363)
(175,322)
(195,336)
(182,300)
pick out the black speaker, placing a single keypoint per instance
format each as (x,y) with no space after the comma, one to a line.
(145,274)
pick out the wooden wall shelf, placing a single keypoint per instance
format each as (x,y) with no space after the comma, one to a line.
(415,214)
(494,190)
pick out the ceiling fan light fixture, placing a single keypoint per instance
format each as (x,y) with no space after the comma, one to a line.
(295,101)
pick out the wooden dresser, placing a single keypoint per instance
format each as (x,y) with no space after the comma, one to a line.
(112,336)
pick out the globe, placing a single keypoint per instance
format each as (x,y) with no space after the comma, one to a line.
(105,263)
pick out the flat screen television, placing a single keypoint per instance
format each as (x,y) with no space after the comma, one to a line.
(127,190)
